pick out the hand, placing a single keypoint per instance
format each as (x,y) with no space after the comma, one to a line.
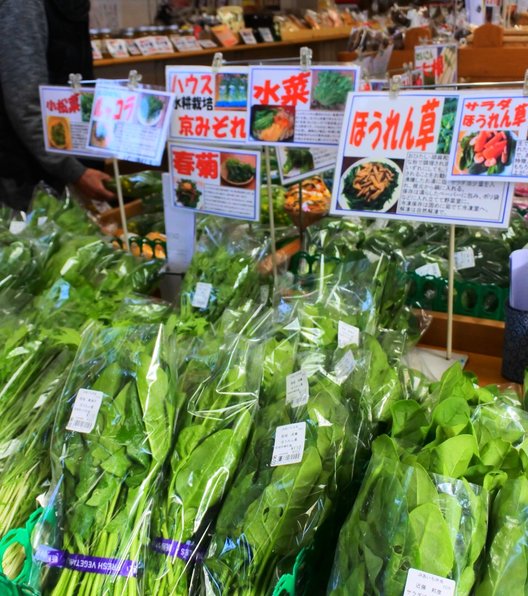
(90,185)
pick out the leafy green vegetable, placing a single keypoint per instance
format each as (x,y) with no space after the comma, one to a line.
(332,88)
(263,119)
(239,171)
(302,159)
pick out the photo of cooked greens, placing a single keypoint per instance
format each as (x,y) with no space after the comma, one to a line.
(488,152)
(187,193)
(238,169)
(59,133)
(272,124)
(370,184)
(86,106)
(330,89)
(151,109)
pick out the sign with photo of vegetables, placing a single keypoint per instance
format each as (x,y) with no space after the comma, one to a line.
(297,163)
(491,133)
(66,118)
(393,160)
(220,182)
(293,106)
(438,63)
(128,123)
(209,105)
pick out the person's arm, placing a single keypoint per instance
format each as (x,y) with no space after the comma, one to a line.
(23,67)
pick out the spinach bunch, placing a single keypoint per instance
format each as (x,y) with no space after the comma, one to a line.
(506,567)
(105,478)
(406,518)
(452,434)
(222,383)
(273,512)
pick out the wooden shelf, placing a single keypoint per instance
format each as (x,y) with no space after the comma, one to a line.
(210,51)
(480,64)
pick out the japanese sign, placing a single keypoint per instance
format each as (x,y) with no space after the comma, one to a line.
(130,123)
(393,158)
(491,133)
(293,106)
(438,63)
(221,182)
(66,119)
(298,163)
(209,105)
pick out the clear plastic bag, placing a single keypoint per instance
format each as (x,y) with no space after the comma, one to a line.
(506,565)
(222,383)
(405,518)
(112,435)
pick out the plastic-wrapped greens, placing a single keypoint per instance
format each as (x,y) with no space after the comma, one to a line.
(222,383)
(506,565)
(111,437)
(406,518)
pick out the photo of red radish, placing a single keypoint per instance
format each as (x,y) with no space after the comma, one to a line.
(488,152)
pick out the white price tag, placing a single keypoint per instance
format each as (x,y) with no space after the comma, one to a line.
(431,269)
(297,389)
(344,367)
(85,409)
(15,227)
(289,444)
(202,293)
(347,335)
(464,259)
(266,34)
(264,294)
(372,256)
(293,326)
(207,43)
(420,583)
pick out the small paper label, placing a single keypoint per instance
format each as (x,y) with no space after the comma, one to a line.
(344,367)
(347,335)
(85,409)
(202,293)
(266,34)
(207,43)
(15,227)
(431,269)
(264,294)
(464,259)
(289,444)
(420,583)
(9,448)
(293,326)
(297,389)
(372,256)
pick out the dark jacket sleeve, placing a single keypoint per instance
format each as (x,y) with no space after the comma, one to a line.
(23,47)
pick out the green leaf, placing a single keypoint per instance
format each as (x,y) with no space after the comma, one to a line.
(432,535)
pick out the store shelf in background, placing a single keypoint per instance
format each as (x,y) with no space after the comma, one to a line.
(480,339)
(479,64)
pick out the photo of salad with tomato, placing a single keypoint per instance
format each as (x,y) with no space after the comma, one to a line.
(487,152)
